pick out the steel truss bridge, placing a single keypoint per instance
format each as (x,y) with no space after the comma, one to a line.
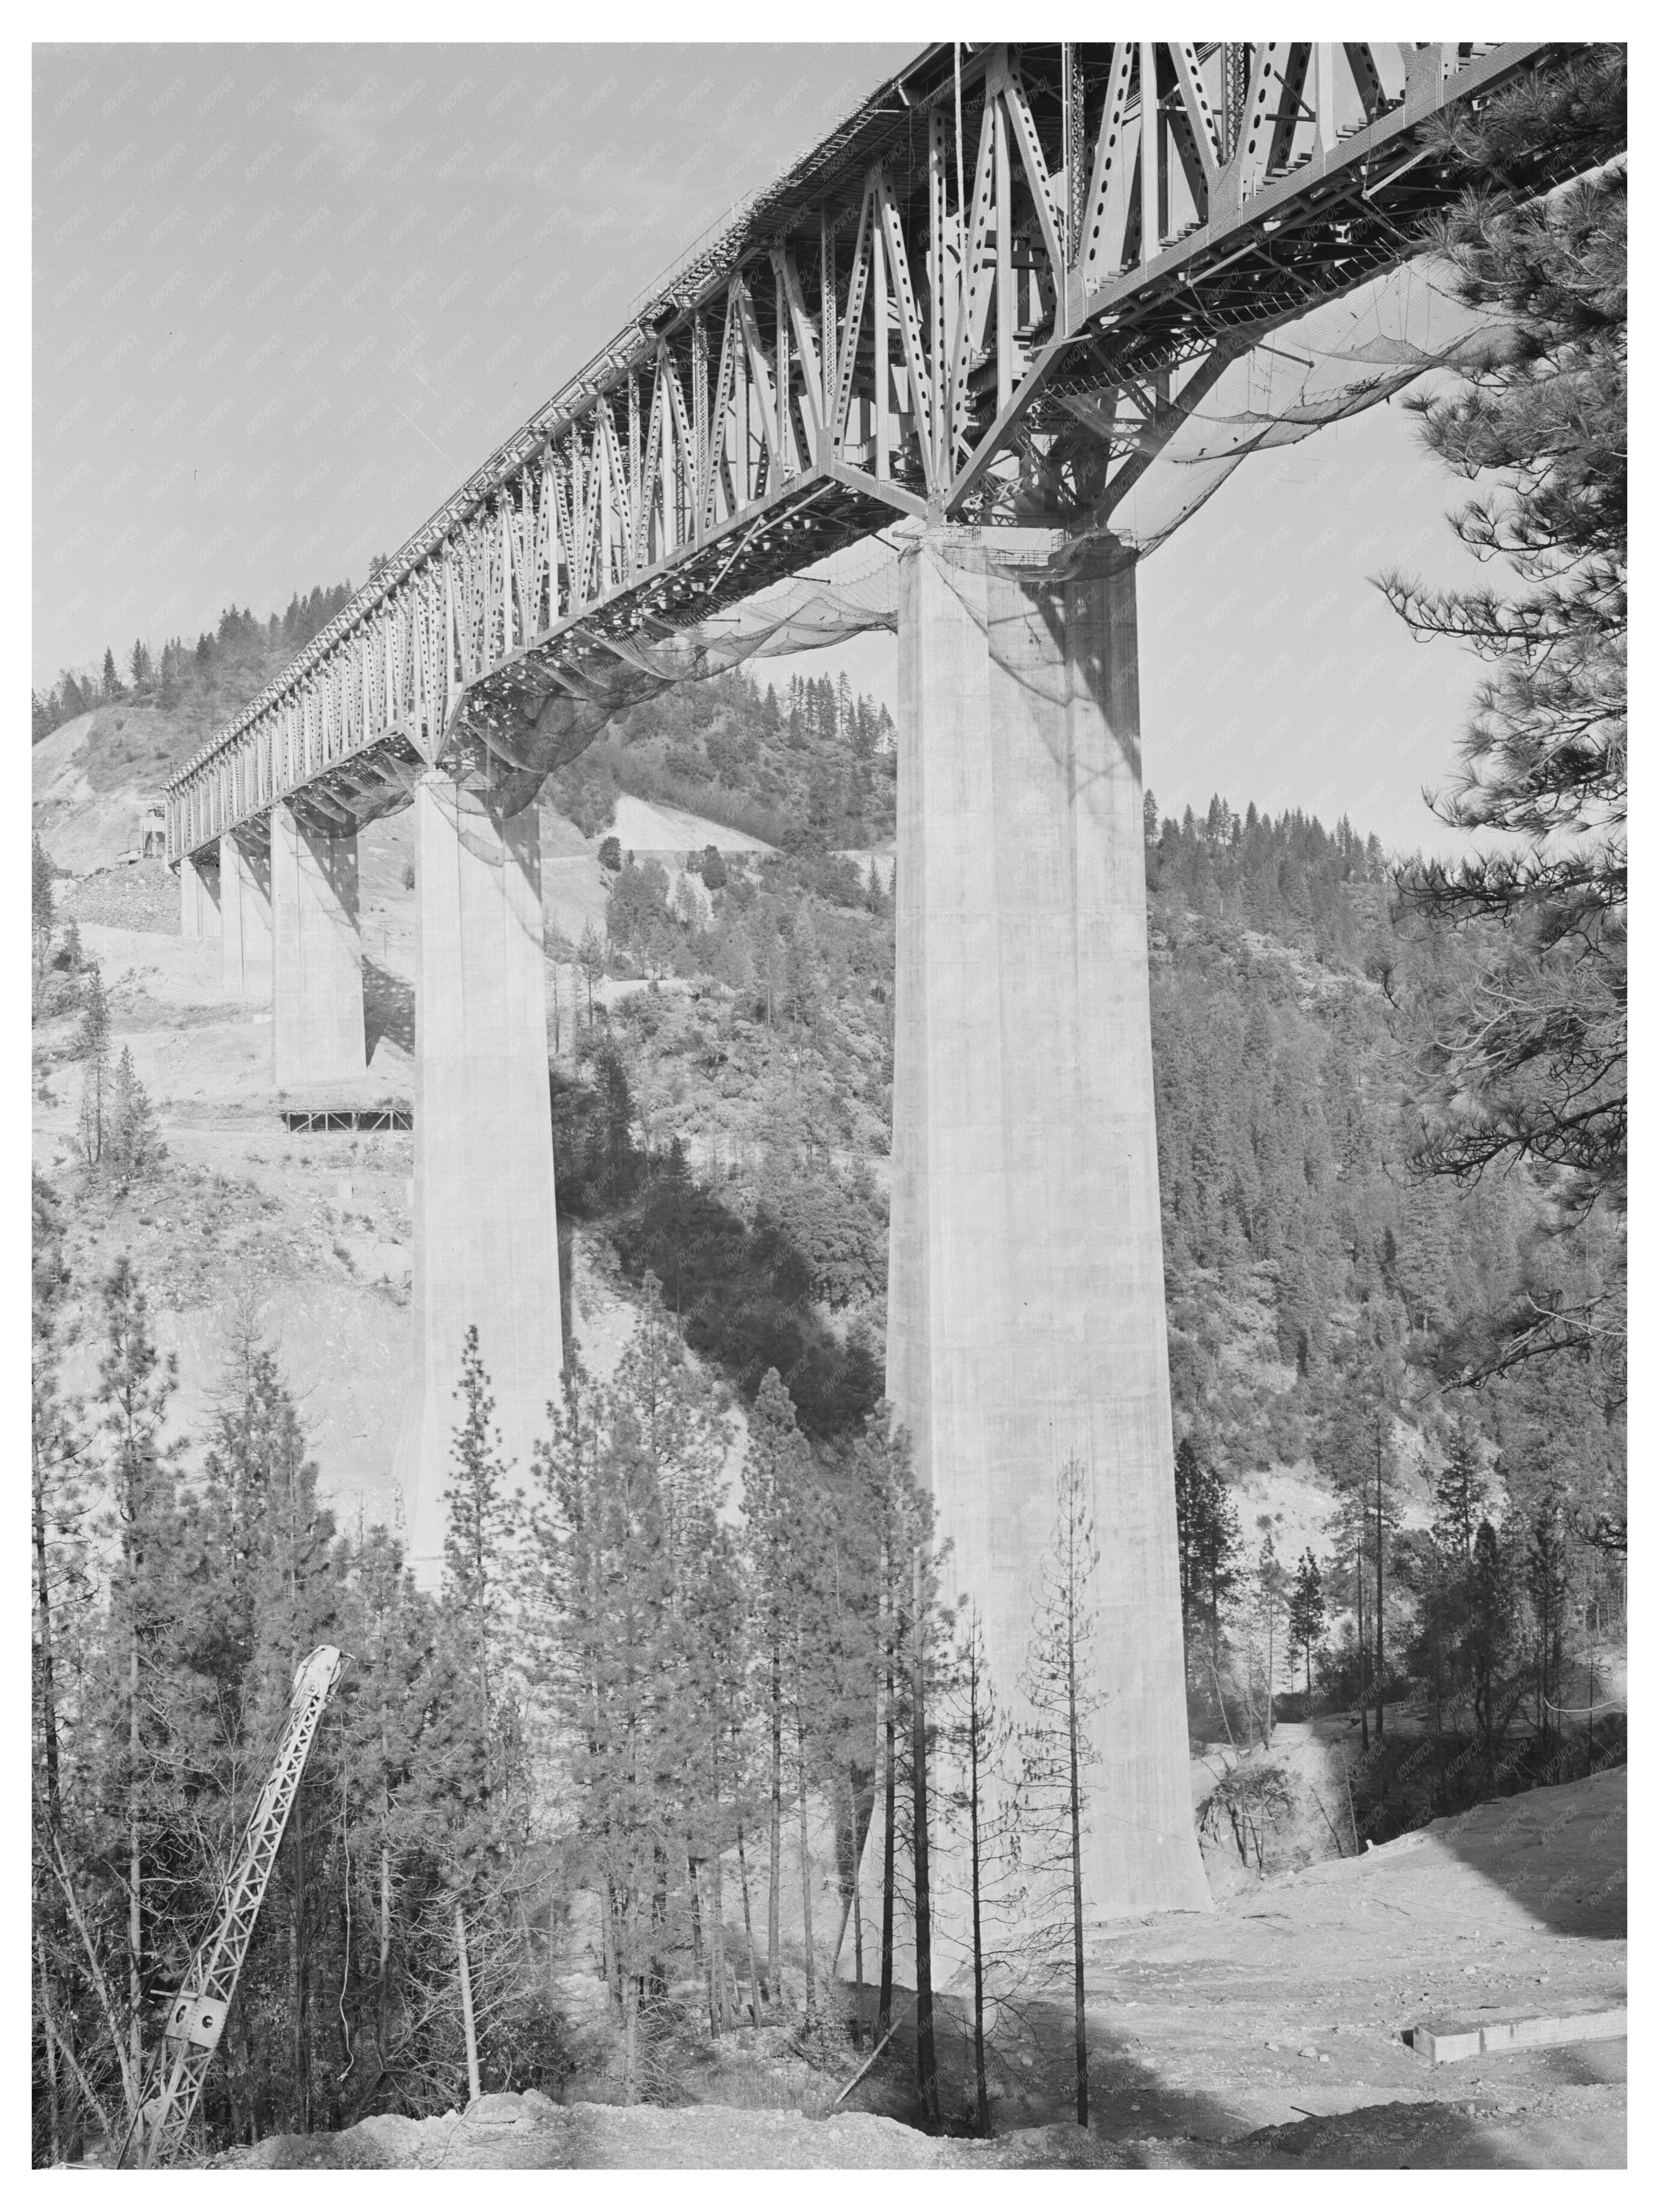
(984,298)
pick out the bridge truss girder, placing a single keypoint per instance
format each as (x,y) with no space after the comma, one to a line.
(984,298)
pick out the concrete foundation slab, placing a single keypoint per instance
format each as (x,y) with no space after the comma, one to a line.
(486,1248)
(244,913)
(1534,2032)
(1026,1281)
(317,961)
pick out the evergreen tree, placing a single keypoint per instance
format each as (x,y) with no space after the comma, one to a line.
(1526,1058)
(481,1533)
(977,1740)
(613,1664)
(1307,1617)
(1490,1636)
(775,1480)
(93,1048)
(1208,1549)
(1548,1580)
(131,1144)
(139,1479)
(1056,1750)
(41,906)
(1272,1594)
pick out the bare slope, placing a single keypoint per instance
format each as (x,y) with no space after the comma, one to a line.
(311,1235)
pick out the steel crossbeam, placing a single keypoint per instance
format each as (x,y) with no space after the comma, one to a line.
(858,343)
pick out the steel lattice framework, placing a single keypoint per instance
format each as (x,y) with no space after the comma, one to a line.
(197,2017)
(982,298)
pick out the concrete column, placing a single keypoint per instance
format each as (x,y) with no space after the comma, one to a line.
(244,913)
(198,893)
(316,959)
(1026,1279)
(486,1247)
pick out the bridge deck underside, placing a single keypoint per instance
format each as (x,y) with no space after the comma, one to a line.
(895,328)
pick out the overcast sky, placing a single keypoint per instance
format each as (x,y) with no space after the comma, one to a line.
(287,298)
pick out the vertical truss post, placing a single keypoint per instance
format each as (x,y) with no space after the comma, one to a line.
(937,251)
(1149,137)
(829,358)
(1005,251)
(1074,153)
(880,329)
(703,489)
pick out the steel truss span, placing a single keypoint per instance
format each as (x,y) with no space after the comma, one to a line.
(984,297)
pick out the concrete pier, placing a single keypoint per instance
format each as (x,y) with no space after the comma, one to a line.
(317,963)
(486,1248)
(1026,1278)
(244,913)
(199,894)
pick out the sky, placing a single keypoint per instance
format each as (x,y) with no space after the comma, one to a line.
(287,298)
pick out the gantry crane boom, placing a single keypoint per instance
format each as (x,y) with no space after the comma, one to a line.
(195,2018)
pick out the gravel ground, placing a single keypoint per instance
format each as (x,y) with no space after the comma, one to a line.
(1567,2127)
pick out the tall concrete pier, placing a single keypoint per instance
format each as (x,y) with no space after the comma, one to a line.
(1026,1277)
(486,1248)
(317,1012)
(244,912)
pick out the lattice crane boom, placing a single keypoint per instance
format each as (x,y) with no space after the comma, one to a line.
(197,2017)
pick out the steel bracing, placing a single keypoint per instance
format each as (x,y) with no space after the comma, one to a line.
(195,2019)
(983,297)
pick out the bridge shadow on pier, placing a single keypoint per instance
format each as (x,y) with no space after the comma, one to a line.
(388,1009)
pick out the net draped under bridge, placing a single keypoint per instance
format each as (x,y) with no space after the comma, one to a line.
(1006,306)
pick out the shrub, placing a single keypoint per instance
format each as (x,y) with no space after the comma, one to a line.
(585,791)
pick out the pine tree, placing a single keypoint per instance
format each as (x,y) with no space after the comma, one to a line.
(1056,1752)
(977,1738)
(41,906)
(130,1406)
(93,1048)
(1491,1634)
(1548,1579)
(1272,1594)
(1208,1550)
(774,1490)
(62,1588)
(1307,1617)
(612,1662)
(898,1515)
(1526,1060)
(480,1537)
(131,1145)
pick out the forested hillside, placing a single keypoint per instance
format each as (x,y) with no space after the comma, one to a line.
(195,688)
(815,765)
